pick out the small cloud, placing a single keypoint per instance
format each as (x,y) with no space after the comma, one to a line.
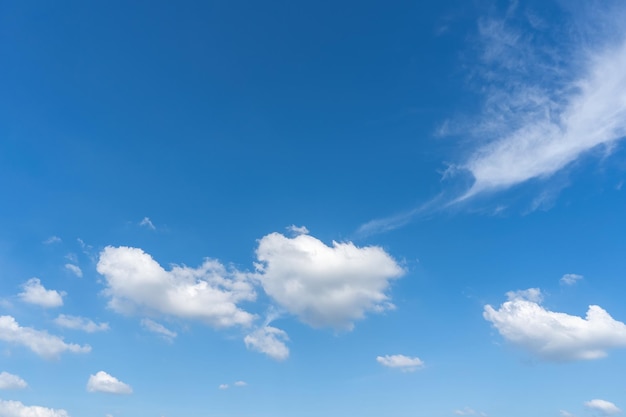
(159,329)
(223,386)
(17,409)
(75,269)
(103,382)
(469,412)
(146,222)
(564,413)
(10,381)
(404,363)
(570,279)
(80,323)
(299,230)
(35,293)
(531,294)
(51,240)
(240,384)
(605,408)
(269,340)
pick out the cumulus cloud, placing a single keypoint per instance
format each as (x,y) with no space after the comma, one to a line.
(570,279)
(158,328)
(10,381)
(74,269)
(80,323)
(325,285)
(35,293)
(210,293)
(605,408)
(269,340)
(17,409)
(404,363)
(40,342)
(146,222)
(103,382)
(555,336)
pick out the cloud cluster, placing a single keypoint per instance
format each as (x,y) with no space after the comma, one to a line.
(40,342)
(35,293)
(10,381)
(103,382)
(136,283)
(17,409)
(80,323)
(402,362)
(325,286)
(555,336)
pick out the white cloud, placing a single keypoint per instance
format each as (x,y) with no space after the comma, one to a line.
(564,413)
(103,382)
(10,381)
(325,285)
(541,115)
(223,386)
(136,282)
(35,293)
(606,408)
(38,341)
(467,411)
(299,230)
(240,383)
(158,328)
(404,363)
(17,409)
(269,340)
(51,240)
(146,222)
(80,323)
(570,279)
(75,269)
(555,336)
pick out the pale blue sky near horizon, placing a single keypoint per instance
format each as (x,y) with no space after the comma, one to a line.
(235,208)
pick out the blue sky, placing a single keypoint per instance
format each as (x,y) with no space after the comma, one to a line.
(301,209)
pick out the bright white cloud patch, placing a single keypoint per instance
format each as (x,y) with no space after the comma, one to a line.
(17,409)
(404,363)
(325,285)
(74,269)
(103,382)
(35,293)
(80,323)
(10,381)
(555,336)
(38,341)
(541,122)
(137,283)
(158,328)
(269,340)
(606,408)
(570,279)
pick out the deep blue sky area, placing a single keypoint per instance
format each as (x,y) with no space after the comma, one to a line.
(250,209)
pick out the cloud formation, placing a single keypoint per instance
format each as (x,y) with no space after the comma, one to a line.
(555,336)
(606,408)
(154,327)
(10,381)
(35,293)
(40,342)
(103,382)
(570,279)
(401,362)
(17,409)
(269,340)
(325,286)
(210,293)
(80,323)
(74,269)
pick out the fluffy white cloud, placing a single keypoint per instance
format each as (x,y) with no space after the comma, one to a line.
(38,341)
(325,285)
(10,381)
(555,336)
(269,340)
(17,409)
(570,279)
(136,282)
(404,363)
(80,323)
(74,269)
(35,293)
(158,328)
(103,382)
(606,408)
